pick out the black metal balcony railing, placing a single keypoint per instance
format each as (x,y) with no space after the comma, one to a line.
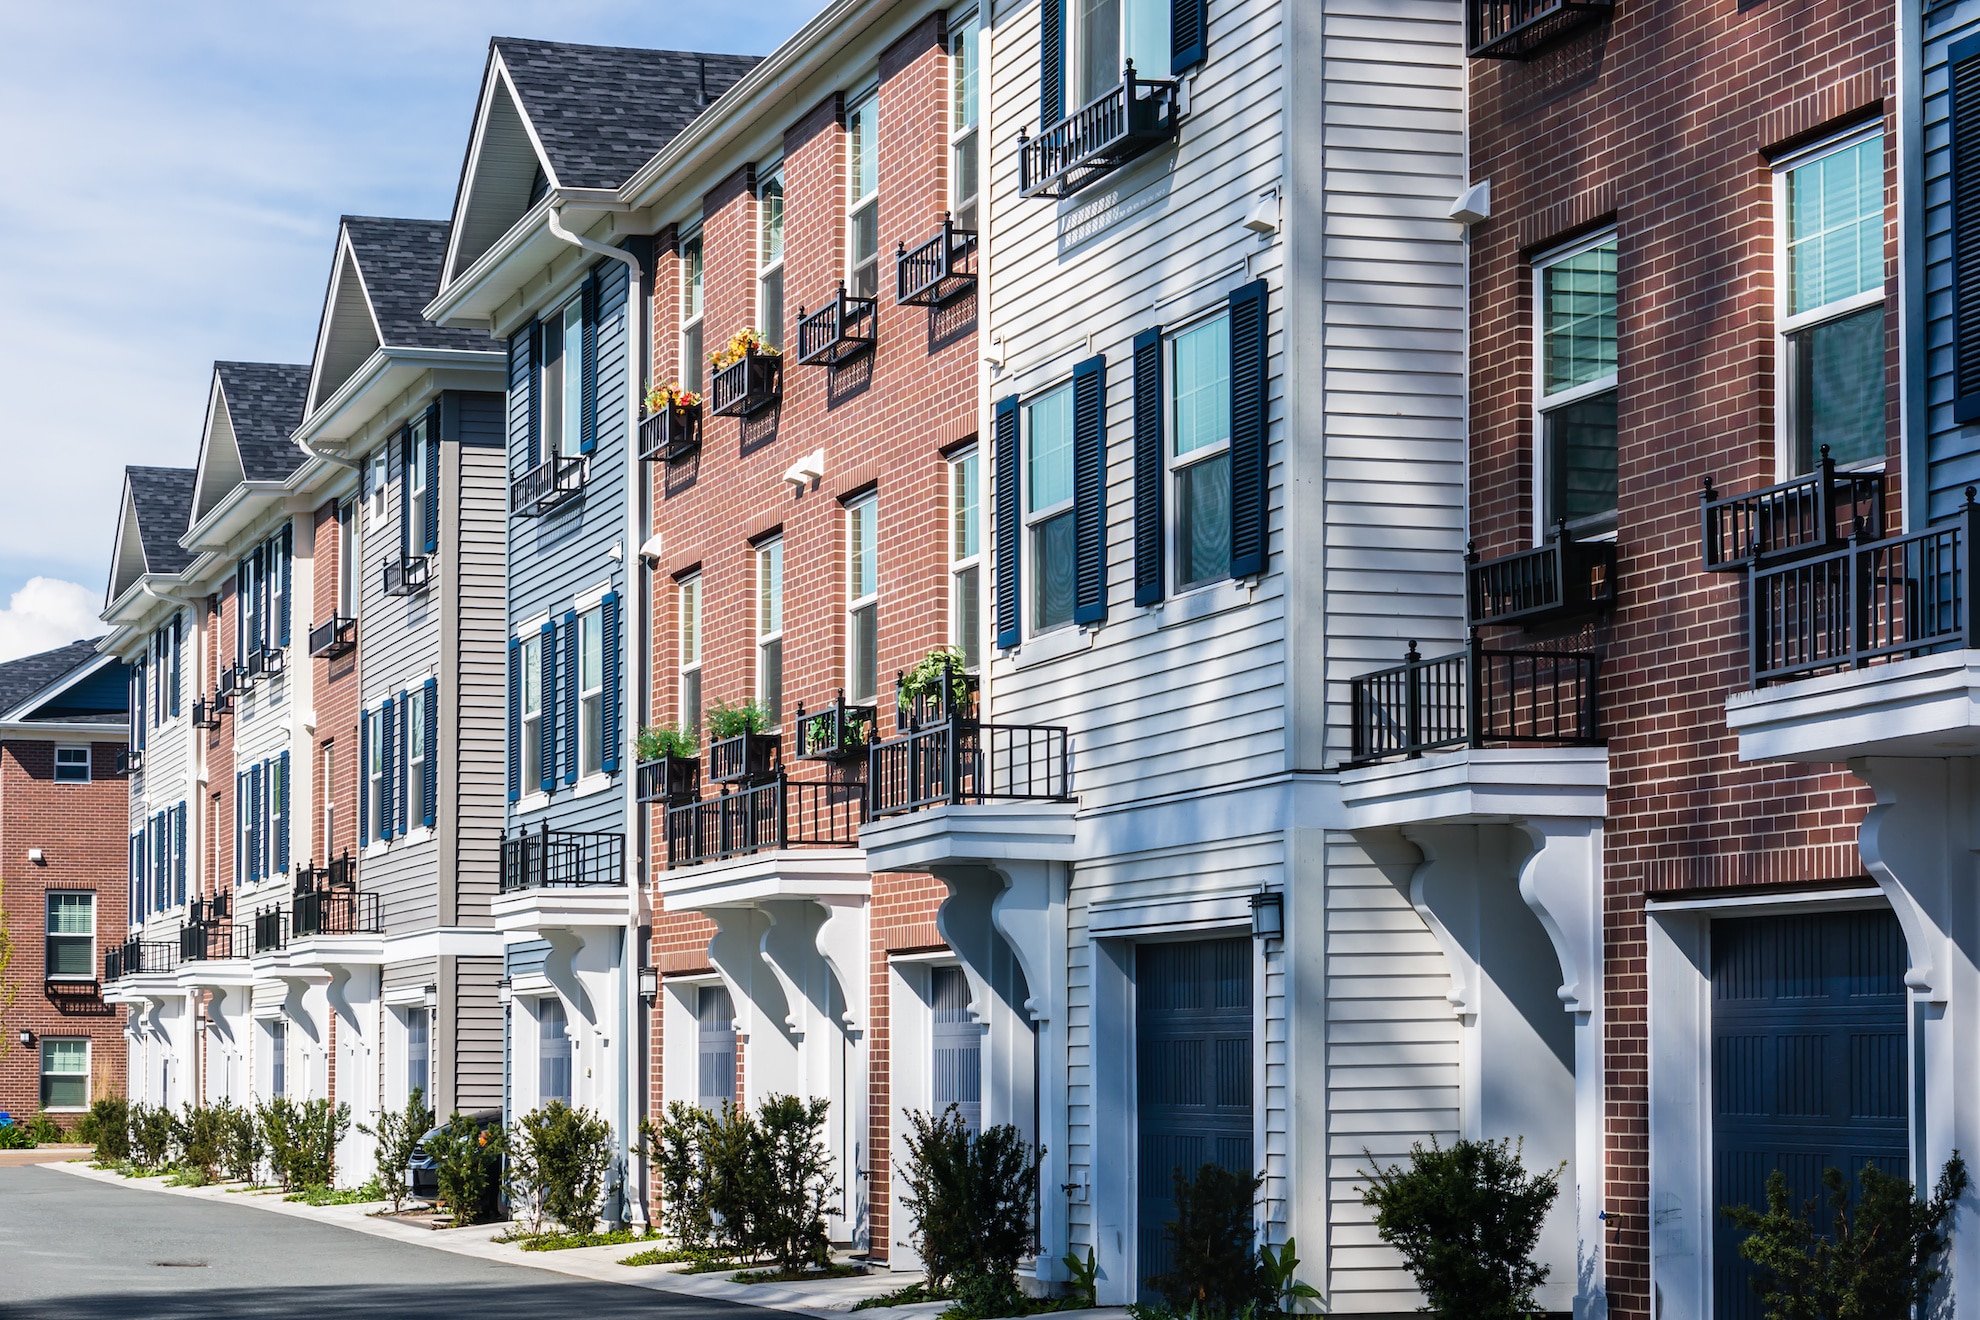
(138,956)
(212,941)
(838,733)
(748,385)
(671,779)
(670,435)
(405,576)
(1473,697)
(559,859)
(336,873)
(206,713)
(772,815)
(937,271)
(335,912)
(333,637)
(1514,29)
(1562,579)
(271,930)
(1819,511)
(746,758)
(231,679)
(130,760)
(550,484)
(1099,138)
(837,332)
(962,761)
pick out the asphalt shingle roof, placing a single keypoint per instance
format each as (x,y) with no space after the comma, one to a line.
(601,112)
(265,401)
(163,497)
(21,679)
(400,261)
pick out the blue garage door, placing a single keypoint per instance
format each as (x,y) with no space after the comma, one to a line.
(1808,1065)
(1192,1075)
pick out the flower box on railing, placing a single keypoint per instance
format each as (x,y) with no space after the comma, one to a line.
(1812,513)
(205,715)
(671,779)
(937,271)
(405,575)
(335,636)
(1562,579)
(1472,697)
(551,483)
(671,434)
(1514,29)
(837,332)
(839,733)
(1092,142)
(745,758)
(959,762)
(953,697)
(748,385)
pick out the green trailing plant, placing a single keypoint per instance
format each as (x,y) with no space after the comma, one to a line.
(678,1149)
(151,1135)
(823,731)
(1214,1271)
(15,1136)
(971,1195)
(796,1182)
(108,1127)
(657,742)
(726,721)
(467,1165)
(559,1158)
(925,678)
(395,1140)
(1466,1220)
(242,1147)
(1281,1282)
(45,1130)
(1878,1261)
(199,1138)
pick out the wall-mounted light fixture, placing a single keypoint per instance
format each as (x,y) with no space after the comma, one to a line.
(504,991)
(36,856)
(649,984)
(27,1039)
(1268,915)
(432,997)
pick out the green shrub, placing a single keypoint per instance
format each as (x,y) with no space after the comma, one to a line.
(199,1139)
(732,1159)
(15,1136)
(394,1142)
(302,1137)
(1214,1270)
(970,1194)
(726,721)
(558,1160)
(151,1135)
(45,1130)
(925,678)
(1875,1263)
(468,1165)
(108,1126)
(658,741)
(242,1147)
(796,1182)
(1466,1221)
(678,1149)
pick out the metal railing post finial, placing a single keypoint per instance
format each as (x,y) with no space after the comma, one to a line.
(1413,699)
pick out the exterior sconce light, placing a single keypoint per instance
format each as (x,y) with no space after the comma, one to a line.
(1268,916)
(27,1039)
(38,857)
(649,984)
(504,991)
(432,997)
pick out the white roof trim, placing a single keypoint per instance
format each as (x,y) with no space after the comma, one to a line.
(497,84)
(345,260)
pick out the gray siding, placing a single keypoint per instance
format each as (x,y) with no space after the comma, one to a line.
(478,1030)
(480,716)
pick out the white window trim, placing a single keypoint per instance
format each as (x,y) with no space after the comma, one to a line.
(532,766)
(41,1071)
(45,933)
(1173,464)
(416,478)
(416,767)
(767,267)
(1028,519)
(686,667)
(88,769)
(374,734)
(761,553)
(696,319)
(965,137)
(870,503)
(1543,402)
(856,203)
(327,760)
(960,564)
(570,436)
(585,750)
(1786,325)
(348,588)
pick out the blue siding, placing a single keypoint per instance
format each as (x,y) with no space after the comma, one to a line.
(1952,451)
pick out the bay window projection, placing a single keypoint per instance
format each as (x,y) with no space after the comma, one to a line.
(1576,296)
(691,289)
(770,629)
(690,669)
(553,1059)
(770,280)
(965,557)
(863,199)
(65,1073)
(863,598)
(963,137)
(591,692)
(1104,34)
(69,953)
(1199,451)
(1832,303)
(1048,507)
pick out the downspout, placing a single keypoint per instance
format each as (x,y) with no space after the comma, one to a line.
(629,1191)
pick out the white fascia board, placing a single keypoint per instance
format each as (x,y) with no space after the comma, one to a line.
(63,731)
(345,253)
(498,74)
(473,299)
(1478,786)
(230,518)
(385,375)
(120,613)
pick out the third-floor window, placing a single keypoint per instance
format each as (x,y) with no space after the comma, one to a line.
(1576,426)
(691,275)
(347,560)
(965,556)
(963,70)
(563,376)
(770,628)
(689,625)
(863,598)
(770,280)
(863,196)
(1107,33)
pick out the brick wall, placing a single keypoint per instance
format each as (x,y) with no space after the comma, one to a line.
(1661,122)
(336,700)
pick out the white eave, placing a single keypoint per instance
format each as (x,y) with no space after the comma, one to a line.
(494,276)
(75,730)
(385,375)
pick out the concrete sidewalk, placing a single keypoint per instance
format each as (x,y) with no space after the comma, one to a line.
(829,1298)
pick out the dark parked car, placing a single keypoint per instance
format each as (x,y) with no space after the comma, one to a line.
(422,1174)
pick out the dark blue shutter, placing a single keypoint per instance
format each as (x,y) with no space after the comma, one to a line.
(1006,459)
(140,707)
(1051,63)
(569,712)
(389,727)
(430,769)
(430,515)
(1090,491)
(1248,473)
(546,710)
(535,422)
(177,648)
(1189,34)
(1963,80)
(1148,466)
(522,393)
(179,853)
(588,377)
(405,492)
(257,801)
(608,627)
(402,763)
(515,718)
(243,608)
(288,558)
(282,830)
(364,778)
(137,878)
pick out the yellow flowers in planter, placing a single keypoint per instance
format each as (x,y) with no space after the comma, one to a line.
(662,397)
(742,343)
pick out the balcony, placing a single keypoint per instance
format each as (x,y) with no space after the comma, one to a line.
(1515,29)
(778,814)
(547,486)
(1473,697)
(747,758)
(562,859)
(671,435)
(212,941)
(938,271)
(337,635)
(1091,143)
(271,930)
(1562,579)
(206,713)
(266,662)
(139,958)
(748,385)
(838,332)
(671,779)
(335,912)
(130,760)
(1806,516)
(839,734)
(406,575)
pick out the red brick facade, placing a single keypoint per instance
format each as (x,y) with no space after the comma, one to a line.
(335,700)
(1662,123)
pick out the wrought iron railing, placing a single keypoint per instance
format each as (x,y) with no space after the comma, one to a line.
(138,956)
(777,814)
(1558,580)
(969,762)
(405,575)
(748,385)
(1097,139)
(837,332)
(745,758)
(670,779)
(549,484)
(1821,510)
(1472,697)
(937,271)
(335,636)
(670,435)
(1514,29)
(838,733)
(335,912)
(211,941)
(558,859)
(271,930)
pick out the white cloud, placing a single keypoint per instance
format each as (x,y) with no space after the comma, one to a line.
(46,613)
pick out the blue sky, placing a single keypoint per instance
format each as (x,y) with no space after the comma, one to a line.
(174,174)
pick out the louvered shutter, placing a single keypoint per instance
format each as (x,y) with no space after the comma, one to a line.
(1963,78)
(288,559)
(179,853)
(430,768)
(387,754)
(1051,63)
(402,764)
(282,828)
(405,492)
(1006,458)
(243,607)
(257,822)
(137,878)
(535,421)
(515,719)
(1189,34)
(546,713)
(588,377)
(1090,491)
(1248,473)
(178,647)
(1148,466)
(430,515)
(569,713)
(364,778)
(522,393)
(608,627)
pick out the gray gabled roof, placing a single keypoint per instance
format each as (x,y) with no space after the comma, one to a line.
(601,112)
(265,405)
(23,678)
(400,261)
(162,498)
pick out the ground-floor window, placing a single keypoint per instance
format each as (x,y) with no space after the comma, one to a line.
(715,1052)
(278,1057)
(64,1073)
(553,1058)
(418,1052)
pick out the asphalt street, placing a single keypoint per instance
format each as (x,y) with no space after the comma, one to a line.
(75,1249)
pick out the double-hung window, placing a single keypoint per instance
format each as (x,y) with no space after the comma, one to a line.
(347,560)
(1575,291)
(70,953)
(690,634)
(418,1051)
(532,708)
(863,196)
(963,60)
(377,486)
(563,374)
(770,628)
(374,788)
(965,556)
(416,478)
(863,598)
(553,1060)
(329,791)
(65,1073)
(770,280)
(1048,507)
(1199,451)
(591,692)
(274,594)
(1832,303)
(271,839)
(417,751)
(691,290)
(72,765)
(1104,34)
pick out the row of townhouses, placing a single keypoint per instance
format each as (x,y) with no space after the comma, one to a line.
(1252,582)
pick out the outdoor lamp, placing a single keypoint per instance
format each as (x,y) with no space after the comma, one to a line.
(1268,915)
(27,1039)
(649,983)
(432,997)
(504,991)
